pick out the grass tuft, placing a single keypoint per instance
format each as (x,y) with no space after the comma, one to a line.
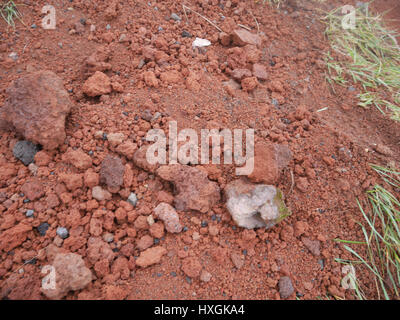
(382,238)
(10,13)
(371,57)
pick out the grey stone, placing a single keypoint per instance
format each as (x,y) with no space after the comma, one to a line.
(175,17)
(29,213)
(186,34)
(25,151)
(132,199)
(14,56)
(43,227)
(62,232)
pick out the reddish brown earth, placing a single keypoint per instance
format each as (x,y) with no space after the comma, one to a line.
(142,69)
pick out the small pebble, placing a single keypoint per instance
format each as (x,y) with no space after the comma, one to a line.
(14,56)
(186,34)
(175,17)
(43,228)
(29,213)
(62,232)
(108,237)
(132,199)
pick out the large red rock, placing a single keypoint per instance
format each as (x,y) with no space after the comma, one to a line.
(191,267)
(140,160)
(71,274)
(97,85)
(171,77)
(7,171)
(112,172)
(239,74)
(14,236)
(33,189)
(169,216)
(150,256)
(242,37)
(194,190)
(260,72)
(36,107)
(78,159)
(269,160)
(98,250)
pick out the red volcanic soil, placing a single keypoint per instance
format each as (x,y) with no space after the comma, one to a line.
(129,67)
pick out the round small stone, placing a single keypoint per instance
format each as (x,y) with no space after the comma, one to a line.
(62,232)
(108,237)
(29,213)
(186,34)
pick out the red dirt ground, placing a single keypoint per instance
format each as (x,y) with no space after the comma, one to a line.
(331,149)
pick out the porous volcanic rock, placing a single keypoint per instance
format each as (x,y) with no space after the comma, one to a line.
(112,172)
(150,256)
(269,160)
(25,151)
(97,85)
(70,274)
(255,205)
(15,236)
(36,107)
(169,216)
(194,190)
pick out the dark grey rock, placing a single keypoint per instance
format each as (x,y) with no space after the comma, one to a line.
(25,151)
(186,34)
(43,228)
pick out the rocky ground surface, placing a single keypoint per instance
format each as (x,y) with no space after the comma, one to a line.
(76,191)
